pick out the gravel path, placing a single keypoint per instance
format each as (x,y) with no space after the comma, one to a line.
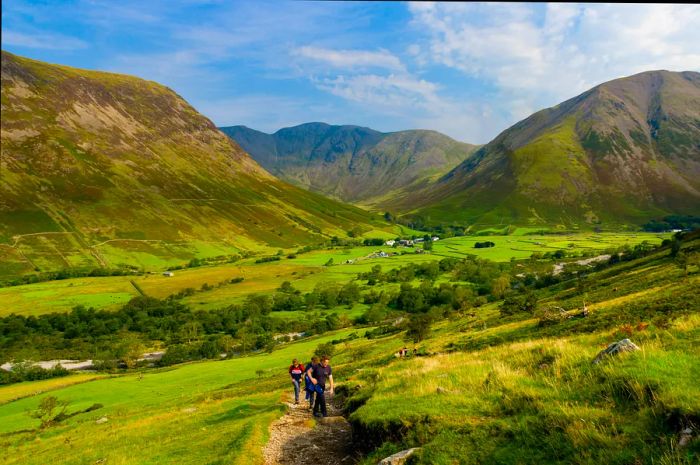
(299,439)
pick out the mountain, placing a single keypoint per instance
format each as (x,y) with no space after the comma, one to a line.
(623,152)
(352,163)
(99,157)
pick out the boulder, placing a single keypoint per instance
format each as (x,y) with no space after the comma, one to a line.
(686,437)
(102,420)
(399,458)
(615,348)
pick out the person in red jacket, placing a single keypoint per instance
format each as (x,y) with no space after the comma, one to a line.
(296,370)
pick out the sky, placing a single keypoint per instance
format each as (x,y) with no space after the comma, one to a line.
(469,70)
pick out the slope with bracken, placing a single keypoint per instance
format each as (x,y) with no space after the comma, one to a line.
(623,152)
(353,163)
(91,157)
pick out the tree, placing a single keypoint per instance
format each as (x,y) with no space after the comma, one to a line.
(190,331)
(418,327)
(500,285)
(49,411)
(675,246)
(326,349)
(515,303)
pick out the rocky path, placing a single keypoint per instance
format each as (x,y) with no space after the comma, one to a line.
(298,438)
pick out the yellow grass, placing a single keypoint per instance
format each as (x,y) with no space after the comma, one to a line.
(32,388)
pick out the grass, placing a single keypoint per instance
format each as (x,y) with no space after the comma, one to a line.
(305,272)
(509,391)
(492,390)
(158,418)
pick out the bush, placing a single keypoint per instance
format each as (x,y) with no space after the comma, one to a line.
(418,327)
(326,349)
(49,412)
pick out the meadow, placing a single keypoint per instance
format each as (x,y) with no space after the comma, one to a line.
(485,387)
(305,271)
(224,407)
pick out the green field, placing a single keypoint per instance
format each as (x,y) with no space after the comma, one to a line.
(157,419)
(488,388)
(305,272)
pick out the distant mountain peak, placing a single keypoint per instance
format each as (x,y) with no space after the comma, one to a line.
(350,162)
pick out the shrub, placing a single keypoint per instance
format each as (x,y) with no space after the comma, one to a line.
(49,411)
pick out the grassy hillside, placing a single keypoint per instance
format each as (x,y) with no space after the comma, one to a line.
(352,163)
(100,168)
(486,385)
(522,389)
(621,153)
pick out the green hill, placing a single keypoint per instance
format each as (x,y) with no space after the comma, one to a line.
(494,379)
(353,163)
(98,168)
(623,152)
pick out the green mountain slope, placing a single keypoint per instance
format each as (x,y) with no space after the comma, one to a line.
(623,152)
(353,163)
(92,158)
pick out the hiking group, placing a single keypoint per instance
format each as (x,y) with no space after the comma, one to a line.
(315,375)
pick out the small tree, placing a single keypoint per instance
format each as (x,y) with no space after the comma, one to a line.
(418,327)
(49,411)
(500,285)
(326,349)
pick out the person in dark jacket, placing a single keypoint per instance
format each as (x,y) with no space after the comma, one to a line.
(295,371)
(309,386)
(319,374)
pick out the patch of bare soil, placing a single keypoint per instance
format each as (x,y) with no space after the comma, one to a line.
(298,438)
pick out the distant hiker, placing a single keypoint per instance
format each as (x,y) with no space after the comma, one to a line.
(308,385)
(295,371)
(319,374)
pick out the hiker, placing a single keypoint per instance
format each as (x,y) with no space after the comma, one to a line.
(309,386)
(295,371)
(319,374)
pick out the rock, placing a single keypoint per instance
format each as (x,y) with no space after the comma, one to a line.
(686,436)
(101,420)
(615,348)
(442,390)
(399,458)
(189,409)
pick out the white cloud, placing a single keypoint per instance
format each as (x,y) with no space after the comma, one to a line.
(350,59)
(42,41)
(395,92)
(537,62)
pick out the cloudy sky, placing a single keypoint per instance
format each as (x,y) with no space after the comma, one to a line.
(468,70)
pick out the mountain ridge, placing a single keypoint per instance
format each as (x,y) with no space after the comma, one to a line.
(353,163)
(109,157)
(622,152)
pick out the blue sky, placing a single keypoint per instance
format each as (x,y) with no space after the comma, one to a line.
(468,70)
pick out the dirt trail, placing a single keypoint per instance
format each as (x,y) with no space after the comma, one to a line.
(298,438)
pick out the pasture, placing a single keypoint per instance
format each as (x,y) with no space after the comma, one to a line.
(225,407)
(305,272)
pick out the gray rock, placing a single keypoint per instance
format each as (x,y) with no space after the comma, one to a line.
(686,437)
(615,348)
(399,458)
(101,420)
